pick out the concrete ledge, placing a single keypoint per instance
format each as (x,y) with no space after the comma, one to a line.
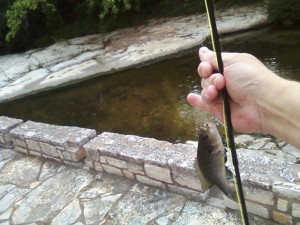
(270,176)
(157,163)
(7,124)
(61,143)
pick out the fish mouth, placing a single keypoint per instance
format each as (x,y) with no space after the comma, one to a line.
(204,131)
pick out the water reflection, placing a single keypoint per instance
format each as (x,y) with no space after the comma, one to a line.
(151,101)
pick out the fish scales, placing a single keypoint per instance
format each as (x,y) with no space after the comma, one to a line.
(211,160)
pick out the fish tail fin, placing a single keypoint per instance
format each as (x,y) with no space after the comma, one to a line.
(233,196)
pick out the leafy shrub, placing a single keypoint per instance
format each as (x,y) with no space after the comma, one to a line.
(17,14)
(285,12)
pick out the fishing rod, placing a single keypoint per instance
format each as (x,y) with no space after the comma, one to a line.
(210,9)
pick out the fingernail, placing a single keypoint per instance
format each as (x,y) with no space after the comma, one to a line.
(203,50)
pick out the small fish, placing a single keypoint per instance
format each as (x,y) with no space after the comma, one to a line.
(210,160)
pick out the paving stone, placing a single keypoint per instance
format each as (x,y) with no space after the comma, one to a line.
(208,215)
(12,197)
(21,171)
(103,204)
(69,214)
(50,169)
(6,215)
(170,217)
(7,154)
(49,198)
(5,188)
(154,202)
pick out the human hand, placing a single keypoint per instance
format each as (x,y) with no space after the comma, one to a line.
(246,79)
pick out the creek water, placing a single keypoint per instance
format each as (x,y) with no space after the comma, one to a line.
(151,100)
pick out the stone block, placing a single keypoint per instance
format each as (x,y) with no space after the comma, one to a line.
(116,162)
(259,196)
(132,148)
(103,159)
(285,189)
(258,210)
(189,192)
(22,150)
(112,170)
(50,139)
(98,166)
(20,142)
(296,210)
(187,180)
(48,149)
(65,155)
(244,140)
(38,154)
(282,205)
(289,149)
(158,173)
(33,145)
(251,207)
(6,125)
(149,181)
(216,202)
(135,168)
(128,174)
(89,164)
(282,218)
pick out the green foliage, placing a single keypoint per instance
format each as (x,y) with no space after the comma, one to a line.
(285,12)
(113,7)
(28,24)
(17,14)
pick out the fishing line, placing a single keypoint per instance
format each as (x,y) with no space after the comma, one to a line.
(210,9)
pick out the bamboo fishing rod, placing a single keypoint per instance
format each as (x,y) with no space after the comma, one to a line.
(210,9)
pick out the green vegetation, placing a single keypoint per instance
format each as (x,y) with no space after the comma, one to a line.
(26,24)
(284,12)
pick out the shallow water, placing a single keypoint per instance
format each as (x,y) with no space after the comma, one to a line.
(151,100)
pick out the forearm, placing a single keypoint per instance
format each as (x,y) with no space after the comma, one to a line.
(280,110)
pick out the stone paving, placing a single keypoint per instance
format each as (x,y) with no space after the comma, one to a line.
(39,191)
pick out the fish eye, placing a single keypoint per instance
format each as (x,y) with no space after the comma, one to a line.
(205,136)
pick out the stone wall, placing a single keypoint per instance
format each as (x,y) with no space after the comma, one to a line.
(269,168)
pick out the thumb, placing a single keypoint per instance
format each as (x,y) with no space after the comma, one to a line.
(207,55)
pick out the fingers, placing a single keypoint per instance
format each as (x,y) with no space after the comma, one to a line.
(205,69)
(209,56)
(217,80)
(210,95)
(200,102)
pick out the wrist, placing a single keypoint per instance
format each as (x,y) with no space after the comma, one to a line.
(279,109)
